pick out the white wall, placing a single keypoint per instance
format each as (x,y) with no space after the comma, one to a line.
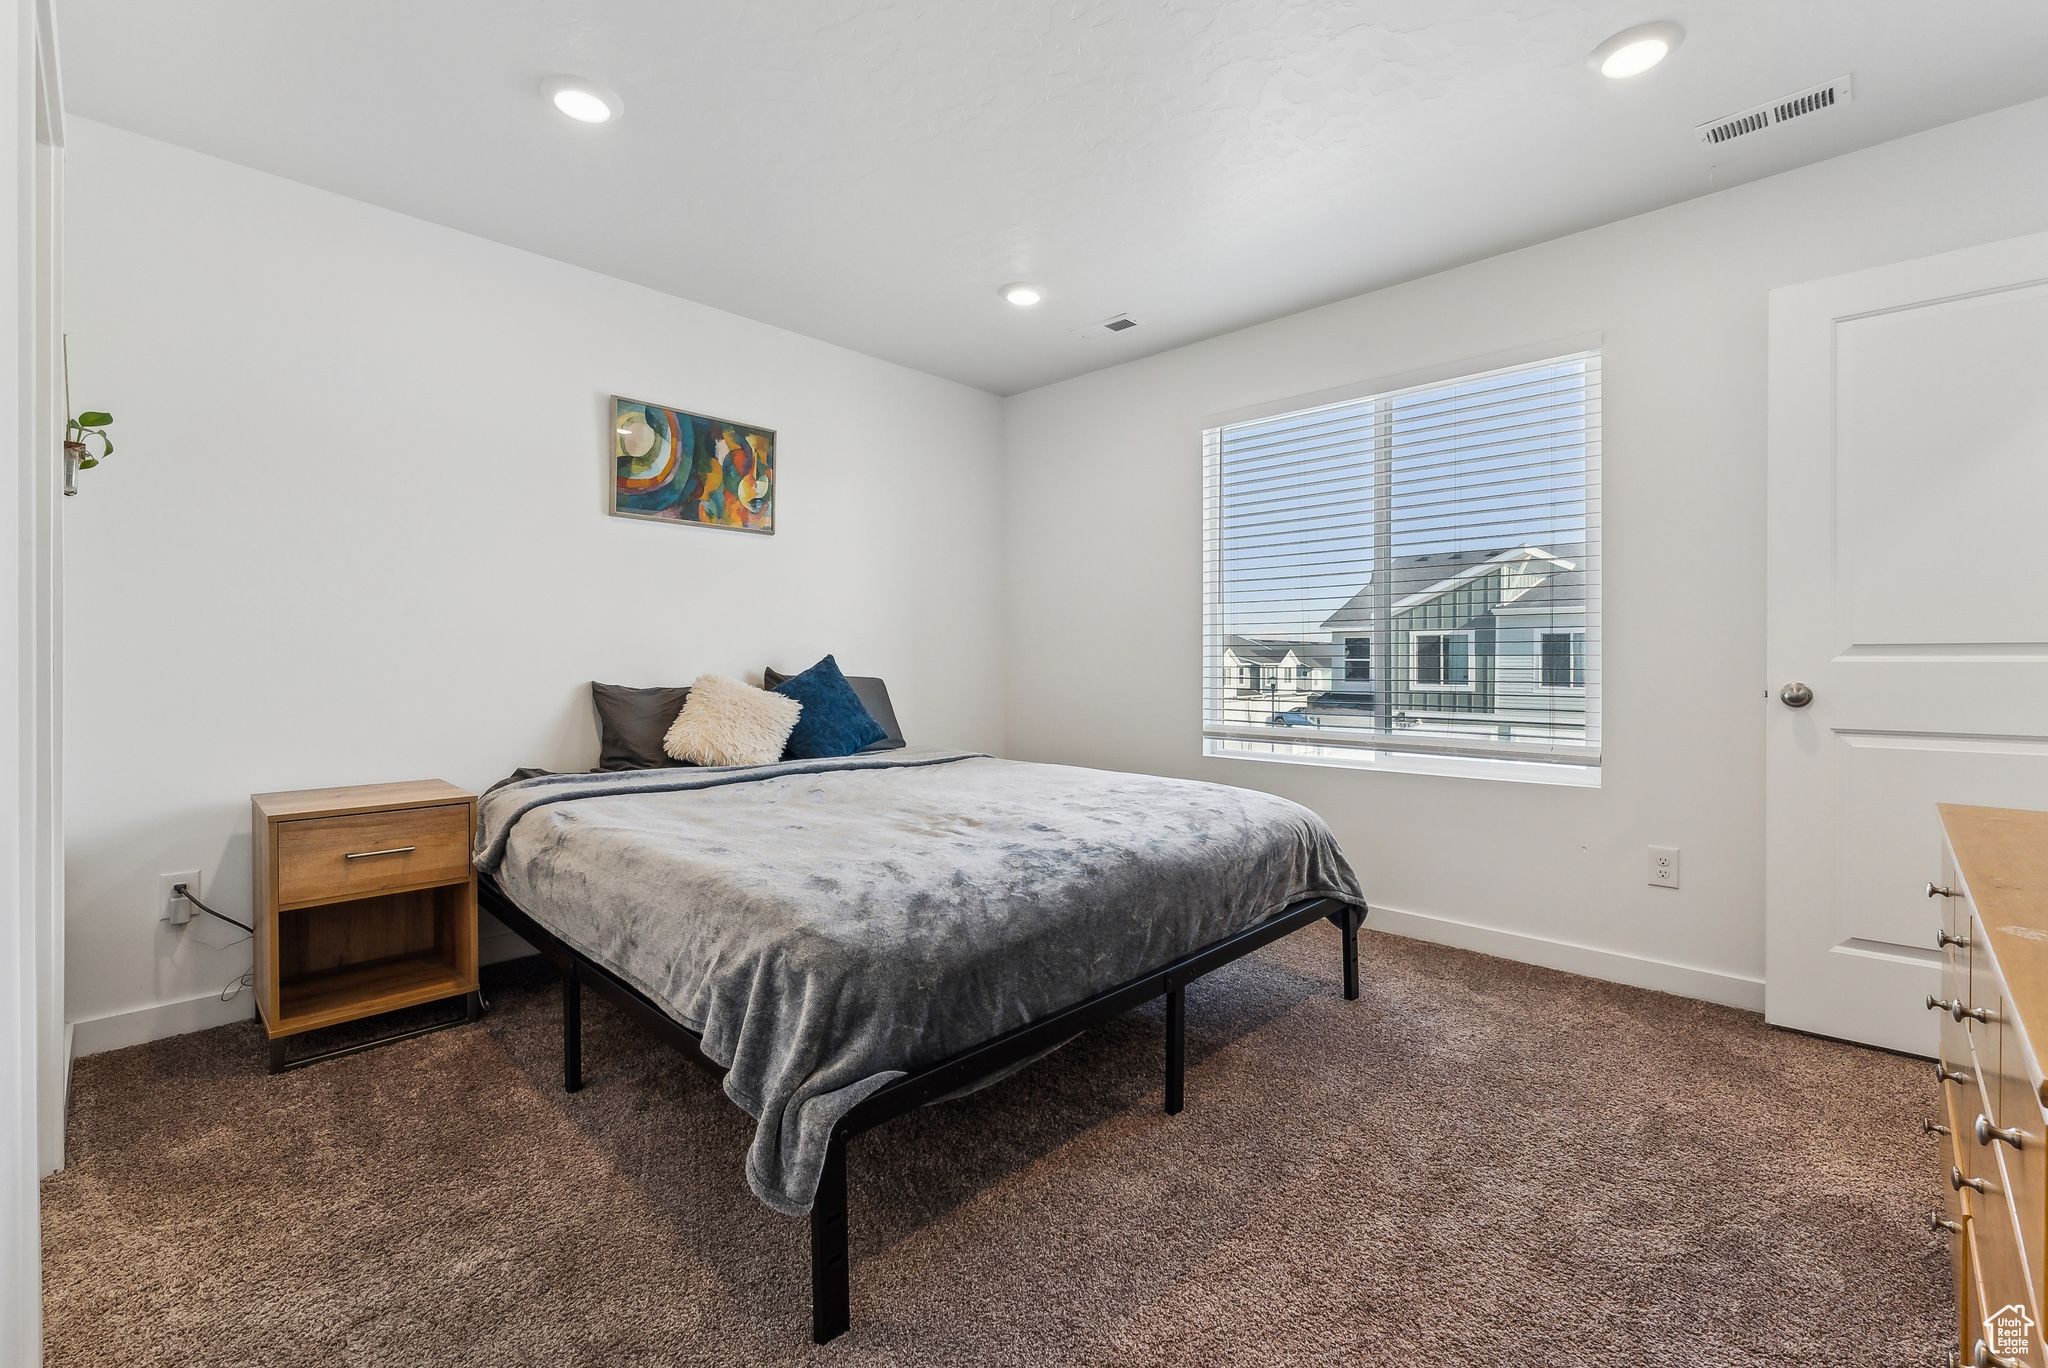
(1103,502)
(354,530)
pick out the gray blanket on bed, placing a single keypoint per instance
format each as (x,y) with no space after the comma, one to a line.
(827,926)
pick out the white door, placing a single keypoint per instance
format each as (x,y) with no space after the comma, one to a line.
(1908,591)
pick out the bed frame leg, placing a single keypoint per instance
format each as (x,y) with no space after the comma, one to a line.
(831,1291)
(1352,917)
(1176,1047)
(572,1030)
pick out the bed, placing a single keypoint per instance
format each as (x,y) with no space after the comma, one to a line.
(841,941)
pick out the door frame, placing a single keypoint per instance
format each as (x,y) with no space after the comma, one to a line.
(32,1053)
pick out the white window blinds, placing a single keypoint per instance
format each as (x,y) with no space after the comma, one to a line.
(1416,570)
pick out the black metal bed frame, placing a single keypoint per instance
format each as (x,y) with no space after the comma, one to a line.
(831,1290)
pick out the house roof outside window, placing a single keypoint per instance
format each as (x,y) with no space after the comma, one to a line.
(1557,580)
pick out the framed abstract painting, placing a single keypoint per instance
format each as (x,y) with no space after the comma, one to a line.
(672,466)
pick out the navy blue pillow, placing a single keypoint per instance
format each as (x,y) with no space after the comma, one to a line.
(834,721)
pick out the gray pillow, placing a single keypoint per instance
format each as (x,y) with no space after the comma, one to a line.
(874,696)
(631,724)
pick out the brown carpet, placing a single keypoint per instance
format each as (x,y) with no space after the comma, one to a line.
(1479,1163)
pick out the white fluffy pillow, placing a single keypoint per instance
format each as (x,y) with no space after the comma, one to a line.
(726,722)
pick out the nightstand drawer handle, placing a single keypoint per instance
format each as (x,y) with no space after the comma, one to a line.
(1943,940)
(1937,1222)
(1958,1180)
(373,854)
(1944,1074)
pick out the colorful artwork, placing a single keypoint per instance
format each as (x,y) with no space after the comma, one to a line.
(679,467)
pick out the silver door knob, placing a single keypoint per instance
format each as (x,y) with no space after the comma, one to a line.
(1795,695)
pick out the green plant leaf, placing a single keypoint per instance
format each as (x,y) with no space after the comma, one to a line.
(110,445)
(88,462)
(95,418)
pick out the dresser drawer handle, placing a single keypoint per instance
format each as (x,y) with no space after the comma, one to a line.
(1983,1014)
(1944,1074)
(1935,890)
(2011,1135)
(1982,1357)
(1942,940)
(1938,1222)
(1933,1128)
(1957,1181)
(407,850)
(1953,1006)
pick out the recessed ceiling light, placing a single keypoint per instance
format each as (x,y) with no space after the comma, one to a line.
(1634,51)
(583,101)
(1022,293)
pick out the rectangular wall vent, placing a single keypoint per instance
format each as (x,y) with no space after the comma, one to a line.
(1799,104)
(1108,326)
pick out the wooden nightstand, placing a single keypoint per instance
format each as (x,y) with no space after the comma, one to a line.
(365,902)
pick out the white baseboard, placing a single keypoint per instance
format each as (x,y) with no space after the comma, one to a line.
(496,944)
(1638,971)
(95,1035)
(117,1029)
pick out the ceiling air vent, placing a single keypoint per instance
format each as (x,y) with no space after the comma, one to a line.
(1798,105)
(1108,327)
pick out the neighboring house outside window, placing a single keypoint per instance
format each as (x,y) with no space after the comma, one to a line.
(1358,659)
(1564,660)
(1443,660)
(1302,674)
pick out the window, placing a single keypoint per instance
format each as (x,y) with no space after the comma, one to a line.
(1443,660)
(1302,674)
(1248,678)
(1358,659)
(1457,524)
(1564,660)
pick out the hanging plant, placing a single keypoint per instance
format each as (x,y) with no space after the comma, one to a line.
(78,432)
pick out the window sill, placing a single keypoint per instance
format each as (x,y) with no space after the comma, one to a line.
(1441,766)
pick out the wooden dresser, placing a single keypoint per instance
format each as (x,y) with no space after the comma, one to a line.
(1993,1132)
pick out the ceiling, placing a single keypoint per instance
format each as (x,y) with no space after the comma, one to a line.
(870,171)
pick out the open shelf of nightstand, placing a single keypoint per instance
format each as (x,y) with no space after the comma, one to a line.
(338,995)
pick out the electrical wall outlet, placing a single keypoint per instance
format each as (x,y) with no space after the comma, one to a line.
(169,906)
(1663,866)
